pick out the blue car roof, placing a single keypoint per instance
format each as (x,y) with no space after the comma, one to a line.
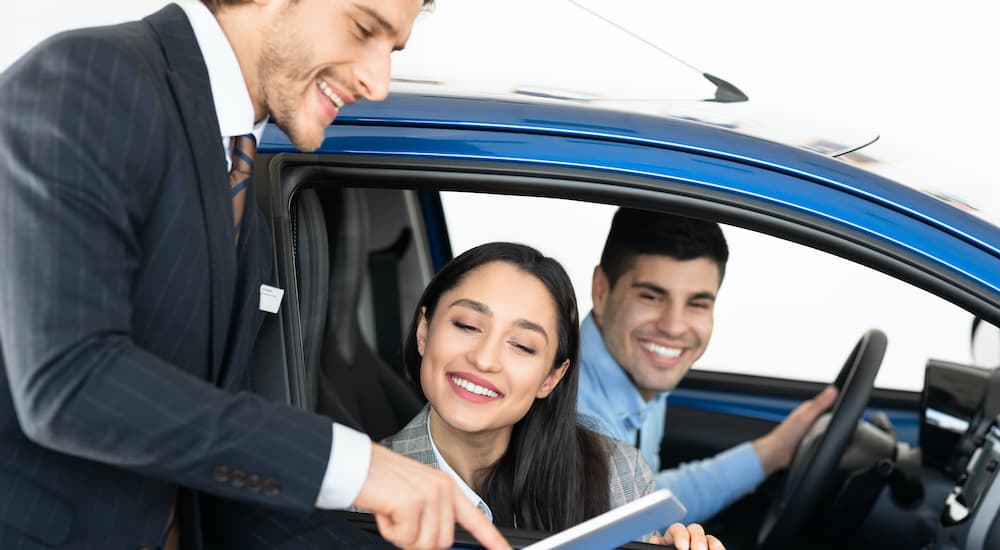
(408,110)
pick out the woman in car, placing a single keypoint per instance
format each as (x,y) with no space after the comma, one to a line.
(494,345)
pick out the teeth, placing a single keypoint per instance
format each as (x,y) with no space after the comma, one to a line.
(474,388)
(325,88)
(662,351)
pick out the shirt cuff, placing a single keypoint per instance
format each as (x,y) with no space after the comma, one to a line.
(350,457)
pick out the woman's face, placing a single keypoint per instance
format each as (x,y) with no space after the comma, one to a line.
(488,351)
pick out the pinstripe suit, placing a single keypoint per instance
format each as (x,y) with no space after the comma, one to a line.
(127,317)
(629,479)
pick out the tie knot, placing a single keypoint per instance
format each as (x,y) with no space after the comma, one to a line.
(244,150)
(240,175)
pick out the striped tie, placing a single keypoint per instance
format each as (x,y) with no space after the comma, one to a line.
(244,149)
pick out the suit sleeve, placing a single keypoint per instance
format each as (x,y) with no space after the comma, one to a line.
(78,136)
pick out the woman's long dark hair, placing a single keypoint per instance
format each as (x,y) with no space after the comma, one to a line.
(554,473)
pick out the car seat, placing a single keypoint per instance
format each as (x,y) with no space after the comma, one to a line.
(346,380)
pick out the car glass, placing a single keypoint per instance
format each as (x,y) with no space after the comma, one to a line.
(784,310)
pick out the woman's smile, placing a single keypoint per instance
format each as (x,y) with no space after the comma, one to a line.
(472,388)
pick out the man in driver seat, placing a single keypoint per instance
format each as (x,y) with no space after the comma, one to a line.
(654,296)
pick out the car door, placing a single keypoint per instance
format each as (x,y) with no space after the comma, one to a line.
(410,170)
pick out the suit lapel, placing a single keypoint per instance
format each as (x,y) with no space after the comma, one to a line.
(188,80)
(253,264)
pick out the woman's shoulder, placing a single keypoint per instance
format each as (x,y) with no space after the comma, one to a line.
(413,441)
(623,456)
(630,475)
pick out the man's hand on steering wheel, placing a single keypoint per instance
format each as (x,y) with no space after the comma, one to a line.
(814,462)
(776,449)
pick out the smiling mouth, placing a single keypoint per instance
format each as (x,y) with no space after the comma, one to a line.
(662,351)
(473,387)
(329,93)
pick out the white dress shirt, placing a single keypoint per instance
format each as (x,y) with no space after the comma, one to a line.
(462,485)
(350,454)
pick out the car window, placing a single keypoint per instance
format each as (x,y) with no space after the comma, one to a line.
(785,310)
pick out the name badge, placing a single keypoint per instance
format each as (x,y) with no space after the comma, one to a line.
(270,298)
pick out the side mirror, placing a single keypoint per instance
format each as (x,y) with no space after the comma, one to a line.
(985,339)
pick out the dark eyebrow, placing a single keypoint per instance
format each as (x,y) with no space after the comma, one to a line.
(382,22)
(657,289)
(703,296)
(473,305)
(528,325)
(485,310)
(650,287)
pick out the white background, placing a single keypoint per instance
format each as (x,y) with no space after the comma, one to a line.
(922,75)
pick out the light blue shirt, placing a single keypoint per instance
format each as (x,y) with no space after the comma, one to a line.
(612,405)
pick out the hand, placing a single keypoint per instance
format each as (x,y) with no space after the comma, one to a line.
(416,506)
(692,537)
(776,449)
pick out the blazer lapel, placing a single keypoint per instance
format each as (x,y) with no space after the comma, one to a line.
(414,441)
(188,80)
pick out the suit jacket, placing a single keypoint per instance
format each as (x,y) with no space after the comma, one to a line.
(127,315)
(629,476)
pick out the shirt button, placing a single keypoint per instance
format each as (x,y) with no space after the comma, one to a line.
(220,474)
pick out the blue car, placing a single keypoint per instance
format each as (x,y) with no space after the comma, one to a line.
(835,272)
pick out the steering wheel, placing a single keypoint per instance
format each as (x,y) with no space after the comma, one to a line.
(818,454)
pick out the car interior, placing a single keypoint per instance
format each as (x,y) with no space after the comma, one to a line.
(354,247)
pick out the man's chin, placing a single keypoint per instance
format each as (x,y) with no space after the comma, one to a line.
(306,141)
(659,382)
(307,144)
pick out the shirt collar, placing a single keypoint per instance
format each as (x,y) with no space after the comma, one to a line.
(464,487)
(618,389)
(233,105)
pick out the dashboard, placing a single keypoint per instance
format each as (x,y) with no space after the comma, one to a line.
(960,435)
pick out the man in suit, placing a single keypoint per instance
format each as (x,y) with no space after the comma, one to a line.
(132,257)
(654,296)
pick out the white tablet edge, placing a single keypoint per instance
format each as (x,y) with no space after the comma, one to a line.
(662,500)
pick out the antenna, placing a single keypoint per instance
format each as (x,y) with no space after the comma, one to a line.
(725,92)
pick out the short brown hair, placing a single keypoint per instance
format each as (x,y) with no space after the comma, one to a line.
(636,232)
(214,5)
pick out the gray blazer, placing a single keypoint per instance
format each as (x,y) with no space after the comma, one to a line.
(630,476)
(127,316)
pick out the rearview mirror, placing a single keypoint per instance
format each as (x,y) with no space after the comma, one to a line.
(985,344)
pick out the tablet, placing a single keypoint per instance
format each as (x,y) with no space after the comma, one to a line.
(619,526)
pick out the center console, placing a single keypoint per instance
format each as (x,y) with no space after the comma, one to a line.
(960,432)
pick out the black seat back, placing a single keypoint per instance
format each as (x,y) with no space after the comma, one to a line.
(351,383)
